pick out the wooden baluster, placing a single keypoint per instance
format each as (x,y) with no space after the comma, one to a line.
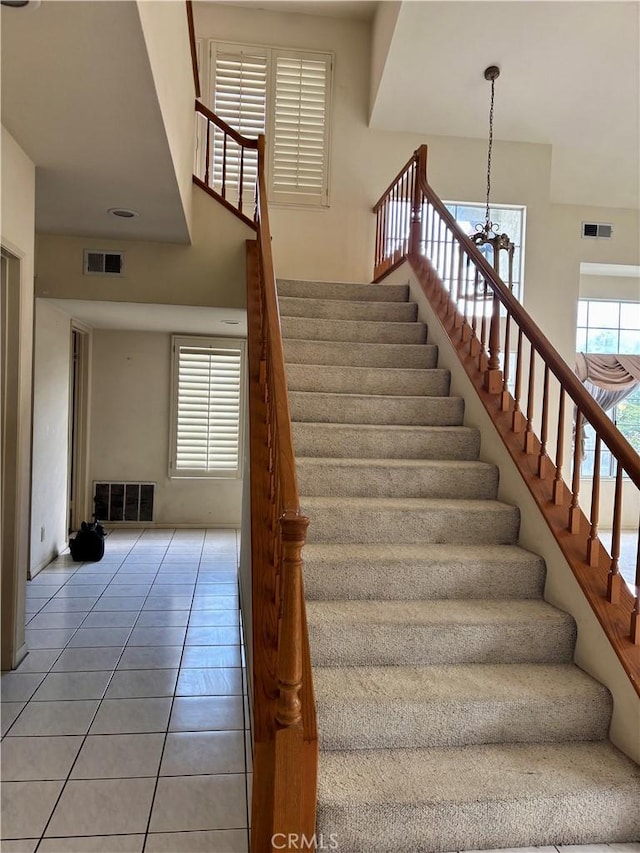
(593,543)
(241,183)
(465,331)
(543,459)
(384,231)
(474,343)
(635,615)
(224,165)
(457,316)
(493,377)
(482,355)
(451,303)
(432,229)
(516,420)
(558,485)
(505,397)
(406,213)
(528,434)
(614,580)
(207,154)
(574,509)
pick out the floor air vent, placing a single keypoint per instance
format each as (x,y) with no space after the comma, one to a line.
(124,501)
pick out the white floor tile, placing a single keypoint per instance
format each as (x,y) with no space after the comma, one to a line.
(130,716)
(42,590)
(209,682)
(215,602)
(206,713)
(102,807)
(94,844)
(139,684)
(167,602)
(223,576)
(158,618)
(97,637)
(119,756)
(39,660)
(22,845)
(19,686)
(214,841)
(84,578)
(110,602)
(26,807)
(119,590)
(215,617)
(212,636)
(58,686)
(109,619)
(87,660)
(199,802)
(146,657)
(54,718)
(38,758)
(66,619)
(51,638)
(200,753)
(632,847)
(10,712)
(204,656)
(164,636)
(70,605)
(81,590)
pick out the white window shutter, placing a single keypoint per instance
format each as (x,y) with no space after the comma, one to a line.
(240,97)
(208,407)
(300,126)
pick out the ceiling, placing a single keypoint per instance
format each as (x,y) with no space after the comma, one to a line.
(570,78)
(78,95)
(146,317)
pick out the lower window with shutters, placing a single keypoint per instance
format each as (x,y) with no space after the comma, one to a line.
(207,412)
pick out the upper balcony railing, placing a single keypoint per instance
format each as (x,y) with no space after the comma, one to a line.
(533,396)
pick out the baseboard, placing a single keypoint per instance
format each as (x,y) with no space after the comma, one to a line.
(168,525)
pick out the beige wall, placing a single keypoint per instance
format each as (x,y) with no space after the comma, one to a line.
(17,223)
(130,411)
(166,35)
(623,287)
(209,272)
(50,466)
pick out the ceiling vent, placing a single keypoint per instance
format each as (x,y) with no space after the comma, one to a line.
(597,229)
(103,263)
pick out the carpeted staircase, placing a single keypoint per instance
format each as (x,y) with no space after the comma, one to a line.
(451,715)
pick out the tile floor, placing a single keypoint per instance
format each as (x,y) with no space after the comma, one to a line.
(125,728)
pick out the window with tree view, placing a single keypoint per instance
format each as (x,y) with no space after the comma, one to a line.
(606,326)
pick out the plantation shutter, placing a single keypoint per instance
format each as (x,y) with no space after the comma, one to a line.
(240,97)
(209,405)
(300,126)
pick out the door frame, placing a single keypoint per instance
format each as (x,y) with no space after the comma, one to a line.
(78,509)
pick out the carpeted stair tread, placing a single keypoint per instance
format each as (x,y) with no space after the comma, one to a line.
(325,407)
(478,797)
(343,290)
(411,478)
(408,707)
(371,441)
(367,380)
(366,331)
(365,355)
(407,572)
(446,631)
(347,519)
(339,309)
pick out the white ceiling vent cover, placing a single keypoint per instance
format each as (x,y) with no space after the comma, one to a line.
(600,230)
(103,263)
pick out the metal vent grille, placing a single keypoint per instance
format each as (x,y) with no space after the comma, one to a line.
(103,263)
(602,230)
(124,501)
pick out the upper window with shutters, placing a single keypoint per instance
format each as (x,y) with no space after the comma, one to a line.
(285,94)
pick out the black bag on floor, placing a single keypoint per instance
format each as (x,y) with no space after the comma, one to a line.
(88,545)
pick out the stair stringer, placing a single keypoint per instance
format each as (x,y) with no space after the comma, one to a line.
(593,652)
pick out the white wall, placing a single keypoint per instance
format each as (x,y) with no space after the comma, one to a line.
(17,224)
(130,410)
(166,35)
(50,465)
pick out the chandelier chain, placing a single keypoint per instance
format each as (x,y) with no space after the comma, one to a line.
(487,218)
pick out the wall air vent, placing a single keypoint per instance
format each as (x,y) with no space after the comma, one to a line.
(124,501)
(103,263)
(597,229)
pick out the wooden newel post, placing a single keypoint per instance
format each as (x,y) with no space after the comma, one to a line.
(493,374)
(293,530)
(415,231)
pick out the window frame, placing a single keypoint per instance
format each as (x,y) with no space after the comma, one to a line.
(177,341)
(277,197)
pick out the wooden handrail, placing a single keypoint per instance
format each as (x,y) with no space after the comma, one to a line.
(285,727)
(194,48)
(244,141)
(479,313)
